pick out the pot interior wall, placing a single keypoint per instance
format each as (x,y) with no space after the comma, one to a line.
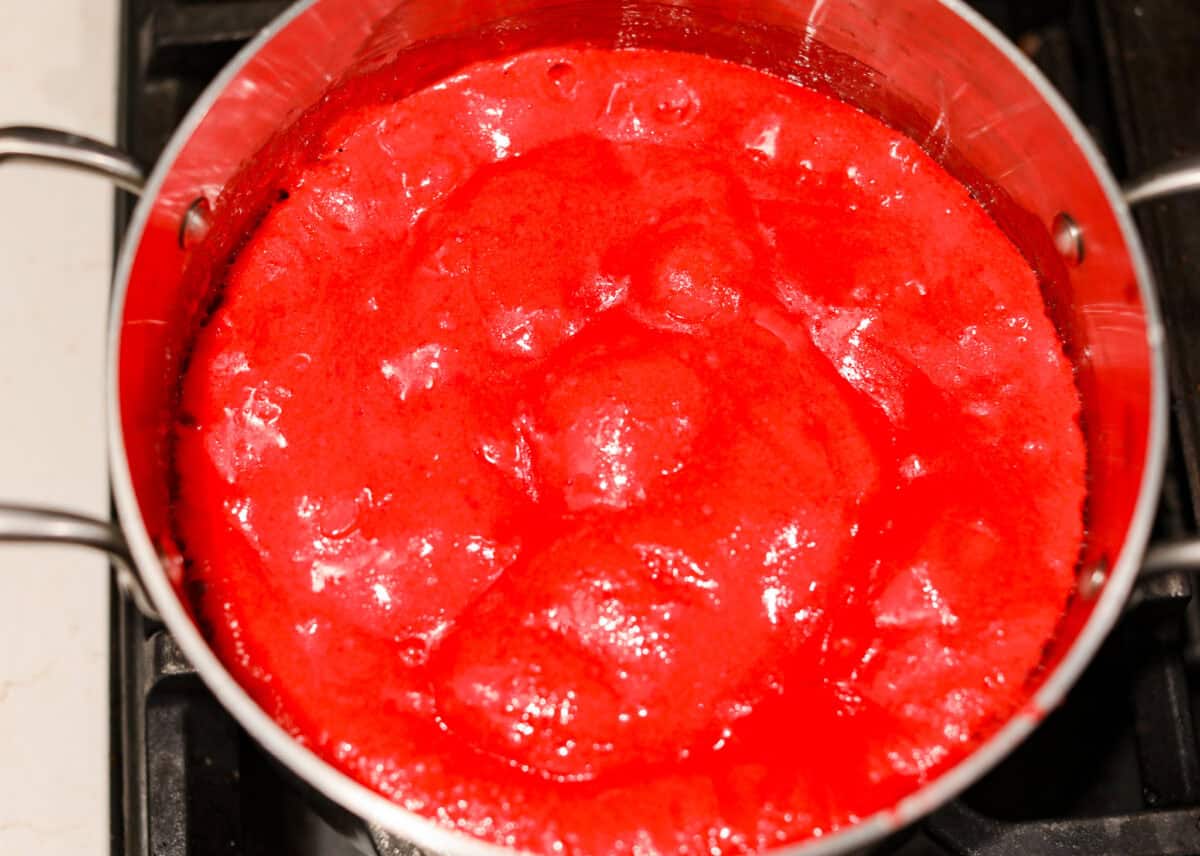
(914,63)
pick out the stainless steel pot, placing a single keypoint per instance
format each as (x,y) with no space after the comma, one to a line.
(933,69)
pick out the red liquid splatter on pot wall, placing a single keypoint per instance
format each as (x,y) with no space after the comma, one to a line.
(612,451)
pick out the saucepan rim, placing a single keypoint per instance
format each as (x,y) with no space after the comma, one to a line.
(426,833)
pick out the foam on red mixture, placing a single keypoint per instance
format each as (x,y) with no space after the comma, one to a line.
(630,452)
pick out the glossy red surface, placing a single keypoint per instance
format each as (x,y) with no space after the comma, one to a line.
(626,451)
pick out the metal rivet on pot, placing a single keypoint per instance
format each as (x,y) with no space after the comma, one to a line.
(1068,238)
(1093,580)
(196,222)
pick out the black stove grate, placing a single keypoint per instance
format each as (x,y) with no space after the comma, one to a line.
(1114,772)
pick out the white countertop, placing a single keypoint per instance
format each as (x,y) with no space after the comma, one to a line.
(57,67)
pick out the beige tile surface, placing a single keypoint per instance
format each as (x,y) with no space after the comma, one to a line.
(57,61)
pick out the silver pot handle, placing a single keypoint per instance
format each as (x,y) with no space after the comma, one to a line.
(29,524)
(1171,179)
(1171,556)
(1180,176)
(66,149)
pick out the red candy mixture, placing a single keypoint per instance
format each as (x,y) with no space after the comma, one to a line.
(625,451)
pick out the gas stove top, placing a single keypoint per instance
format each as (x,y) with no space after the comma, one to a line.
(1114,772)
